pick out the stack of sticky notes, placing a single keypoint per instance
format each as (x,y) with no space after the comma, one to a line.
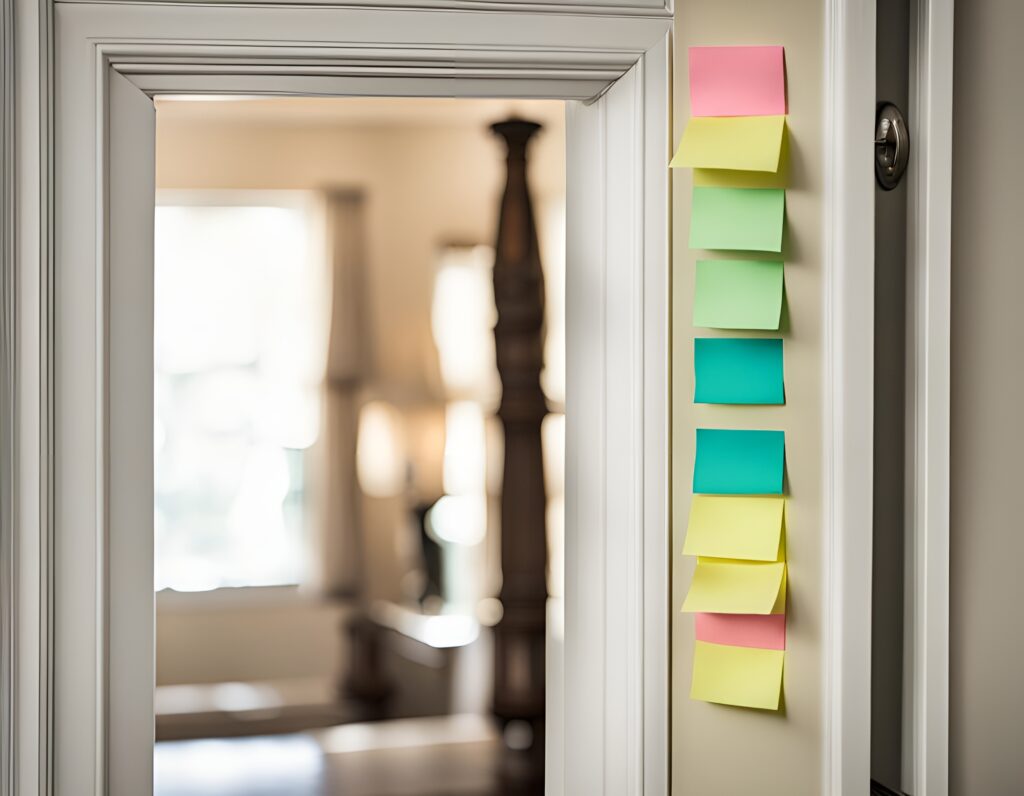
(736,144)
(737,531)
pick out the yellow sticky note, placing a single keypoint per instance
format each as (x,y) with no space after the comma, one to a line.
(745,676)
(727,586)
(728,178)
(735,527)
(740,143)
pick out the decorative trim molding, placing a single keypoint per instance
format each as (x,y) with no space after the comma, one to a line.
(8,420)
(929,252)
(605,8)
(26,656)
(848,394)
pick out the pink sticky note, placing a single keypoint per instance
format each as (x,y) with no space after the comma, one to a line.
(737,81)
(766,631)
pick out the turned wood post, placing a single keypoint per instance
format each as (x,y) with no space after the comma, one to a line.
(519,340)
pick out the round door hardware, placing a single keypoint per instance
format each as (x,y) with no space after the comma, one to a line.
(892,146)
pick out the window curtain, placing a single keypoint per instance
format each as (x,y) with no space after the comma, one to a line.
(339,540)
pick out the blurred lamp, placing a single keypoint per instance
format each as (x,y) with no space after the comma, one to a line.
(380,451)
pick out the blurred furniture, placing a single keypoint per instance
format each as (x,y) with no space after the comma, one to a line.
(519,339)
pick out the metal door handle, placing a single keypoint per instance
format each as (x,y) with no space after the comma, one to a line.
(892,146)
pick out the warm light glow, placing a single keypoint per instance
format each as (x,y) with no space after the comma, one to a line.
(462,318)
(380,451)
(552,240)
(465,452)
(460,519)
(279,764)
(553,443)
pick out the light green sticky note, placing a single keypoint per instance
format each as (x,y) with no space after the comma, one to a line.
(743,219)
(745,676)
(738,294)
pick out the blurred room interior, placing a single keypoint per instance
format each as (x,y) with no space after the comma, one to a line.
(359,444)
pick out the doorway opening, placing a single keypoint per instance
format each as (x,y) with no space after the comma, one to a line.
(359,435)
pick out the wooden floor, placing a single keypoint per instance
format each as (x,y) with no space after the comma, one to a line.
(443,756)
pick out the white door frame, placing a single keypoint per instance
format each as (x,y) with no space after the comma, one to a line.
(929,233)
(93,687)
(849,379)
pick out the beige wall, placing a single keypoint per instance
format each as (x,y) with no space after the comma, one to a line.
(987,532)
(273,634)
(432,174)
(716,750)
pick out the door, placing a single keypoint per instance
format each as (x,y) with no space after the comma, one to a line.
(889,511)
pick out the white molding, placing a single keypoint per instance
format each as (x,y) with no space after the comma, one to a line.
(655,487)
(848,298)
(8,420)
(30,89)
(637,8)
(617,604)
(926,762)
(617,542)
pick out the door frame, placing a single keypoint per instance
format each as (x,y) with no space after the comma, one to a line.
(849,377)
(929,323)
(88,622)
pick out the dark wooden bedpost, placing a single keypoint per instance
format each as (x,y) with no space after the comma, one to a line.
(519,339)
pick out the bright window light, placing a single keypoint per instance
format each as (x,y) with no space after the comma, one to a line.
(465,451)
(462,319)
(240,333)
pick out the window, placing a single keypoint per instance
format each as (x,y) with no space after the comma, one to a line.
(240,336)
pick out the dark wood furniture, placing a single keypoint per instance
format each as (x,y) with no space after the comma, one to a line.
(519,339)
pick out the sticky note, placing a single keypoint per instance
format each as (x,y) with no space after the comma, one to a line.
(738,370)
(744,219)
(728,586)
(742,630)
(738,294)
(742,676)
(735,462)
(735,527)
(737,81)
(732,178)
(742,143)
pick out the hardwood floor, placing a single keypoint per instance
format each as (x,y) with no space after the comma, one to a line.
(442,756)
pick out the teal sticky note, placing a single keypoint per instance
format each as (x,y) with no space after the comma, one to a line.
(737,370)
(745,219)
(735,462)
(738,294)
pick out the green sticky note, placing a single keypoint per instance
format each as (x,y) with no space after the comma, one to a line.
(739,462)
(738,294)
(745,219)
(731,370)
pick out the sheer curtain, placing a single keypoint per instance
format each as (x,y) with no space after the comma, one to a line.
(339,539)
